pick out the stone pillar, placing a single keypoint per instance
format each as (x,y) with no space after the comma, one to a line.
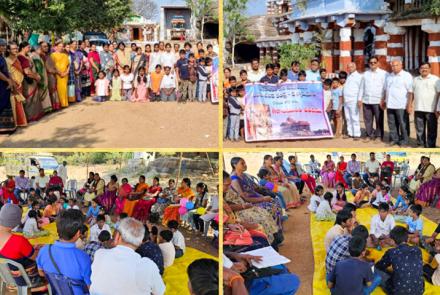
(433,51)
(327,51)
(345,48)
(262,54)
(380,47)
(359,45)
(395,49)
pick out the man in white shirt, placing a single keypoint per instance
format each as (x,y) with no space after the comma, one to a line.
(313,73)
(373,92)
(41,182)
(168,59)
(352,95)
(399,88)
(121,270)
(62,172)
(372,167)
(426,88)
(255,74)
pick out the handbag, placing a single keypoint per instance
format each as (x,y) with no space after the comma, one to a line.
(237,239)
(71,90)
(281,283)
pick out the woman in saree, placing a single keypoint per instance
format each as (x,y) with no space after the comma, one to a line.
(95,66)
(123,193)
(62,66)
(139,191)
(43,87)
(165,198)
(98,185)
(8,191)
(17,75)
(328,172)
(172,211)
(429,191)
(122,57)
(51,75)
(107,200)
(143,206)
(7,122)
(74,82)
(340,171)
(238,211)
(33,106)
(387,169)
(246,189)
(423,174)
(139,61)
(288,191)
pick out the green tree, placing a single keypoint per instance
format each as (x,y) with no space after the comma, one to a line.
(297,52)
(234,23)
(65,16)
(434,7)
(200,11)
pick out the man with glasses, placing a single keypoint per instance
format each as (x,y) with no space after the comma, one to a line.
(372,93)
(398,89)
(426,92)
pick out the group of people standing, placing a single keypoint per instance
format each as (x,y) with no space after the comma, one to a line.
(374,92)
(37,80)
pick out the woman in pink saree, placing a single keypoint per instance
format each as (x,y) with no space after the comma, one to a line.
(124,190)
(95,66)
(328,172)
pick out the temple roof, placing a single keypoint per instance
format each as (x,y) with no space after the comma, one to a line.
(325,11)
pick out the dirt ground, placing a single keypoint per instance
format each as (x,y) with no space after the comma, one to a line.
(328,142)
(91,124)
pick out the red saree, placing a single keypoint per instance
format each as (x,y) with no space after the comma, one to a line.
(143,207)
(341,168)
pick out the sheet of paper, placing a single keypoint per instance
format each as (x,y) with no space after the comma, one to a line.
(270,257)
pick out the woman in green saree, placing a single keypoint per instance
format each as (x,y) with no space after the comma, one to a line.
(43,88)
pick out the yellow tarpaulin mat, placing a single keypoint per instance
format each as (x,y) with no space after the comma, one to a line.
(175,277)
(318,229)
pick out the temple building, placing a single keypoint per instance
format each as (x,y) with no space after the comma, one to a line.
(354,30)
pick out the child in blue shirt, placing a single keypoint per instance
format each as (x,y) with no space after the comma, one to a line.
(336,106)
(93,212)
(414,224)
(402,202)
(353,275)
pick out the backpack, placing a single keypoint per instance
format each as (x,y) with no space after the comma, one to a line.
(282,283)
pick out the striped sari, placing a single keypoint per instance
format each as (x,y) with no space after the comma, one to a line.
(17,97)
(33,106)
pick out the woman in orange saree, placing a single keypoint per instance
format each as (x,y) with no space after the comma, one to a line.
(17,76)
(124,190)
(172,211)
(143,207)
(139,191)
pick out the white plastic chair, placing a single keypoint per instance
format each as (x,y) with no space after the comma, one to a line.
(71,188)
(403,173)
(8,280)
(308,169)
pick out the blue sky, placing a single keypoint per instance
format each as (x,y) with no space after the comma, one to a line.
(255,7)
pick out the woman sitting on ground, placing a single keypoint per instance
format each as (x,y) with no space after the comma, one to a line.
(107,200)
(429,192)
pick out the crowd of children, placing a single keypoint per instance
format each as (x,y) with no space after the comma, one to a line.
(161,75)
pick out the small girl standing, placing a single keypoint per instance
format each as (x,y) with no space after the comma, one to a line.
(116,86)
(102,86)
(127,78)
(140,93)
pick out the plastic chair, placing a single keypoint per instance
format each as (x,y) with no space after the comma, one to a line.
(71,188)
(309,171)
(8,280)
(206,225)
(403,173)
